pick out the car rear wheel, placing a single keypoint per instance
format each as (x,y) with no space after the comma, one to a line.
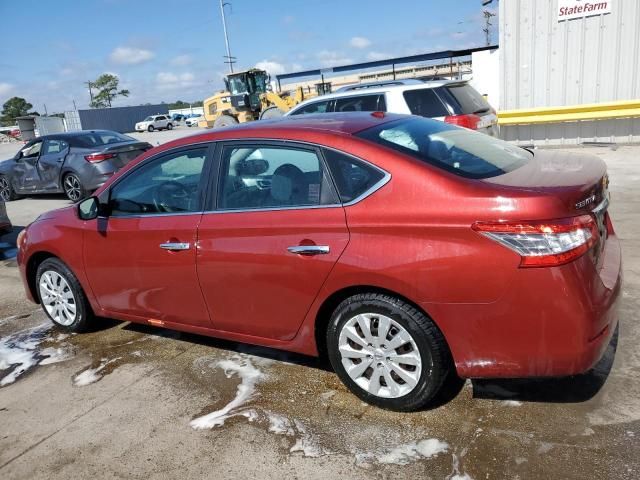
(7,193)
(169,126)
(387,352)
(150,128)
(62,297)
(73,188)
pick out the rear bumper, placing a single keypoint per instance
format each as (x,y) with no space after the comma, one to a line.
(552,322)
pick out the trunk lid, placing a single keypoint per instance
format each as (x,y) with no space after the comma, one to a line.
(579,181)
(125,152)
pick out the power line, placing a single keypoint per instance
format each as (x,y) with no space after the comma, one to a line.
(487,25)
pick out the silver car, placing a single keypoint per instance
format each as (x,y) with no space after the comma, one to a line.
(74,163)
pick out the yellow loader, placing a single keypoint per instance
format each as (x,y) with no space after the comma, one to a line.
(249,97)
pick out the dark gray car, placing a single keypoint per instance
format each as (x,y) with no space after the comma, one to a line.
(73,163)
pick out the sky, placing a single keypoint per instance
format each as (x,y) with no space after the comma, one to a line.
(168,50)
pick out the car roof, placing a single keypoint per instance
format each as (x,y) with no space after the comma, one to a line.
(372,89)
(345,123)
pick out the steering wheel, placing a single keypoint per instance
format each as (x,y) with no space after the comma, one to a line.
(171,196)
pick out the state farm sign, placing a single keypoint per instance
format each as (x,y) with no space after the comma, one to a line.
(568,9)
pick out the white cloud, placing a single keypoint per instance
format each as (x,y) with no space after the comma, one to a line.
(328,58)
(377,56)
(5,89)
(130,55)
(181,60)
(359,42)
(169,80)
(272,68)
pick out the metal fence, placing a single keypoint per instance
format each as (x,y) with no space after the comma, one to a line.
(119,119)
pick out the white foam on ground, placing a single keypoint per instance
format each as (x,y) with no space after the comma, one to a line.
(249,376)
(512,403)
(92,375)
(405,453)
(21,351)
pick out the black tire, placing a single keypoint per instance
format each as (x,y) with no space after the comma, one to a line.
(169,126)
(83,315)
(434,352)
(7,193)
(225,120)
(271,112)
(73,188)
(150,128)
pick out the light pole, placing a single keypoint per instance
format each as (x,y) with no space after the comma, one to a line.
(229,59)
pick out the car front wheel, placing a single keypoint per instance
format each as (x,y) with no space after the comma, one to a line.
(62,297)
(150,128)
(73,188)
(387,352)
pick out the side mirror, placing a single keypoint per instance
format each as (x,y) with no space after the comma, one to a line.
(18,156)
(88,209)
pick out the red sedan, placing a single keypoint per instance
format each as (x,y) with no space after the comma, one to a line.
(402,248)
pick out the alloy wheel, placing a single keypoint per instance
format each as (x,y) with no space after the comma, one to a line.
(380,355)
(72,187)
(5,190)
(57,298)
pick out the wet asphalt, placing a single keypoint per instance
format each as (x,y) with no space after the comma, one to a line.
(120,401)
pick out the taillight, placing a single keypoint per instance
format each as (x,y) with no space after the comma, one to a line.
(545,243)
(99,157)
(467,121)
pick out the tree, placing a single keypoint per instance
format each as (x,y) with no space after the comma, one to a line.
(13,108)
(107,86)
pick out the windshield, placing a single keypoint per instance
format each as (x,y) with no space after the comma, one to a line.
(97,139)
(148,119)
(259,82)
(237,85)
(458,150)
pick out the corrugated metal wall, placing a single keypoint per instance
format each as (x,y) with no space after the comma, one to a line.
(547,63)
(119,119)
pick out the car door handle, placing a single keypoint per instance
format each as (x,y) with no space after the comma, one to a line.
(174,246)
(309,249)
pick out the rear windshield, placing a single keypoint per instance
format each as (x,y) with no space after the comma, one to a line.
(458,150)
(468,99)
(98,139)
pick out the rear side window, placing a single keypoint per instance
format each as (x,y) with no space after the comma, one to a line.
(257,177)
(361,103)
(466,99)
(352,177)
(317,107)
(458,150)
(425,103)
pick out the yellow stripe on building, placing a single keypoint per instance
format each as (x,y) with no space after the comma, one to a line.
(594,111)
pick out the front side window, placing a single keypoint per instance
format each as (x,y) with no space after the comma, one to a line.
(32,150)
(255,177)
(361,103)
(461,151)
(169,184)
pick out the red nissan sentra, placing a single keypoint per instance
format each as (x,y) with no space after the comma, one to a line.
(403,248)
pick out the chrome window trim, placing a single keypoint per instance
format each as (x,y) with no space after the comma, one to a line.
(374,188)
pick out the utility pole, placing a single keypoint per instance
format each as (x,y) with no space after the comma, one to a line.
(46,114)
(229,59)
(487,25)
